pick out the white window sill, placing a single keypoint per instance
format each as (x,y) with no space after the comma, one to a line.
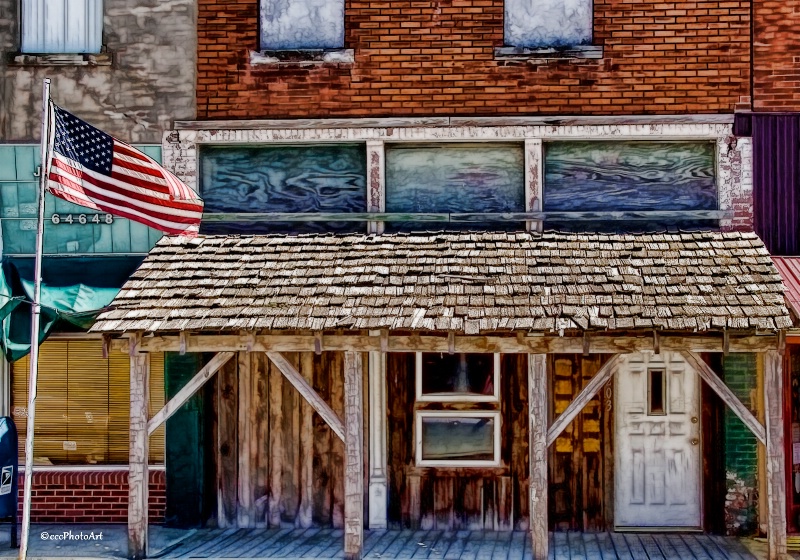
(302,57)
(59,59)
(535,55)
(87,468)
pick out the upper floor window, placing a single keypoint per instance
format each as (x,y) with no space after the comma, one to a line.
(548,23)
(62,26)
(302,24)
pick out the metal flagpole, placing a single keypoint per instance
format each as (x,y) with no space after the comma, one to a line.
(35,313)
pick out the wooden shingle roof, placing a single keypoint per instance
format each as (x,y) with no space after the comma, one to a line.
(466,283)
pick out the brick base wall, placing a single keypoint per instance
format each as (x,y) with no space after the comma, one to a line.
(89,496)
(741,460)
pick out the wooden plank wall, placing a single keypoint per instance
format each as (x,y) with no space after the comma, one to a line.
(294,461)
(458,498)
(577,467)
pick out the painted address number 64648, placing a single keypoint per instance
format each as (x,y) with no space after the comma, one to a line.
(82,219)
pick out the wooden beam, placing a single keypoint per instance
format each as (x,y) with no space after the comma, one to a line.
(537,418)
(776,481)
(138,480)
(306,506)
(309,394)
(727,396)
(512,344)
(188,390)
(354,457)
(587,393)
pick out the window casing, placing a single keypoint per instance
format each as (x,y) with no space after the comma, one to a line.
(548,23)
(457,419)
(302,24)
(62,26)
(83,404)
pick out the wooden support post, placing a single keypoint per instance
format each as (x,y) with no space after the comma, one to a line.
(245,507)
(378,480)
(537,418)
(137,463)
(354,457)
(587,393)
(227,454)
(776,496)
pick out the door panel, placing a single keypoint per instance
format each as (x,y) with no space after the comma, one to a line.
(657,453)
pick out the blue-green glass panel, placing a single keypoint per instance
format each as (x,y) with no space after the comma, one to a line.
(448,438)
(455,178)
(635,176)
(18,210)
(306,179)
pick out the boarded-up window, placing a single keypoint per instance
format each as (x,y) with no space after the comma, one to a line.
(302,24)
(455,179)
(62,26)
(286,179)
(630,176)
(548,23)
(69,228)
(83,404)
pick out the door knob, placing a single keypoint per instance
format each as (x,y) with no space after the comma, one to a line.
(695,441)
(694,419)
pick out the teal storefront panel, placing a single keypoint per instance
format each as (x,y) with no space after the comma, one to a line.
(69,229)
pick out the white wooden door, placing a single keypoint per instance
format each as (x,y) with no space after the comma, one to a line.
(657,443)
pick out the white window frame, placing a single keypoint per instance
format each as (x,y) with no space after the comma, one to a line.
(458,397)
(492,414)
(61,27)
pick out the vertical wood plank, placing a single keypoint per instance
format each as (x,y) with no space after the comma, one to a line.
(322,444)
(518,392)
(537,414)
(304,511)
(275,446)
(354,453)
(505,503)
(443,503)
(413,499)
(776,489)
(137,463)
(608,454)
(378,481)
(245,510)
(337,446)
(227,444)
(291,444)
(260,374)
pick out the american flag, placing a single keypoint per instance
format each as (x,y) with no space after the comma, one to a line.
(92,169)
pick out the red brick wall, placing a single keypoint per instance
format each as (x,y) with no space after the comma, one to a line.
(776,55)
(436,58)
(89,497)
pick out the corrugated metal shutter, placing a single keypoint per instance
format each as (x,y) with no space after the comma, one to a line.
(62,26)
(83,398)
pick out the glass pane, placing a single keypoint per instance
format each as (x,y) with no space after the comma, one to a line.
(457,438)
(302,24)
(633,176)
(291,179)
(548,23)
(455,179)
(457,374)
(655,393)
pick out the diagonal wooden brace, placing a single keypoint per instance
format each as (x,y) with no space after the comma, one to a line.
(308,393)
(727,396)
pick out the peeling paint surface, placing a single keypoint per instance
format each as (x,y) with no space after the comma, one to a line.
(148,85)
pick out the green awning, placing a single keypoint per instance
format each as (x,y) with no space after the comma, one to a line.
(68,307)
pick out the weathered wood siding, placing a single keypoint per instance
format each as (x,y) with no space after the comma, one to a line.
(294,466)
(577,466)
(495,498)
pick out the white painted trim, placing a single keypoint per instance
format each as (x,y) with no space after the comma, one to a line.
(378,437)
(458,397)
(88,468)
(420,414)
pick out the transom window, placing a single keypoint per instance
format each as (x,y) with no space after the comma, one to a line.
(457,417)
